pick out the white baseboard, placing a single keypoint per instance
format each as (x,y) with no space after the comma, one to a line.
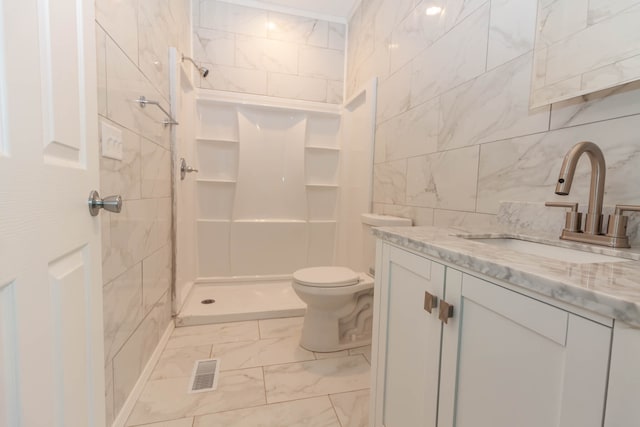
(124,413)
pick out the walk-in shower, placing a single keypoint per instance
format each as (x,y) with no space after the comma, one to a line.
(280,183)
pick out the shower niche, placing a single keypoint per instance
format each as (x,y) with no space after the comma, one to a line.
(267,191)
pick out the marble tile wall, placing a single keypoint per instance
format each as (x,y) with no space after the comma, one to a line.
(455,135)
(262,52)
(133,38)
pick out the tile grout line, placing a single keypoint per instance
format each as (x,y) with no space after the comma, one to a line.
(335,411)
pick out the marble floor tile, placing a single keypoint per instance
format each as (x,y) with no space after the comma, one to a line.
(249,354)
(314,412)
(178,362)
(214,334)
(365,351)
(182,422)
(168,399)
(332,354)
(315,378)
(352,408)
(275,328)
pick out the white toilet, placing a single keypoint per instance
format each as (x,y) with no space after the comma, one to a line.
(340,300)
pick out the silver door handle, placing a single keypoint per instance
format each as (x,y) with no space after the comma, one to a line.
(111,203)
(185,169)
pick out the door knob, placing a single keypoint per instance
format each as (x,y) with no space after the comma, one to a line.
(185,169)
(111,203)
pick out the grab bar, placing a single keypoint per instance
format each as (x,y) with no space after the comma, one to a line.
(143,101)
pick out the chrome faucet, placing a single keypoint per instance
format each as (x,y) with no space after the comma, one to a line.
(593,231)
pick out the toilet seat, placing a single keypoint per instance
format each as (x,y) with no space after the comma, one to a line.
(326,277)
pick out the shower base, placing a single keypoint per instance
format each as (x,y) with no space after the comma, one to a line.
(237,301)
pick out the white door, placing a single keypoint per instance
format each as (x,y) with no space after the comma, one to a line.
(51,345)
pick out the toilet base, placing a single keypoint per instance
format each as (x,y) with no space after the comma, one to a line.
(329,331)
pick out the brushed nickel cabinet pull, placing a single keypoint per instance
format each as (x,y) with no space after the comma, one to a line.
(446,312)
(430,302)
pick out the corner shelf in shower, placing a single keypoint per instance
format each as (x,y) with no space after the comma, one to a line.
(217,140)
(216,180)
(320,147)
(318,185)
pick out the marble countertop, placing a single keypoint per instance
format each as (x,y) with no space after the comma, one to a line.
(611,289)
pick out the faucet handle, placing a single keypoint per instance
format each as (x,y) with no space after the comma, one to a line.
(573,221)
(617,226)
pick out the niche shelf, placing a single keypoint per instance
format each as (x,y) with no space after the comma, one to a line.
(217,181)
(319,185)
(319,147)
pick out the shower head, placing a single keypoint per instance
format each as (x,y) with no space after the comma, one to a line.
(204,72)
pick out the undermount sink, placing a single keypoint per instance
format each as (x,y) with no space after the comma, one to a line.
(548,251)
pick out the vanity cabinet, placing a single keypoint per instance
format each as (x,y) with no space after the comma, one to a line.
(503,359)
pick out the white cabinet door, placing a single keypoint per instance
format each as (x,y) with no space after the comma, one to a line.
(510,360)
(407,350)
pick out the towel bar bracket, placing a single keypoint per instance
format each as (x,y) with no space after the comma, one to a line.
(143,101)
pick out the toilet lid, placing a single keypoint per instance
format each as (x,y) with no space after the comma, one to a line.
(326,276)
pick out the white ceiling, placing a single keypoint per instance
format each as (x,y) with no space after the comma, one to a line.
(337,9)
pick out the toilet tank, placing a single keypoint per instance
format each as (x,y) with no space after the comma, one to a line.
(370,220)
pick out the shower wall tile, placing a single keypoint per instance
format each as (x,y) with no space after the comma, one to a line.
(297,87)
(122,176)
(606,104)
(122,309)
(335,91)
(337,33)
(214,47)
(256,51)
(298,29)
(156,277)
(321,63)
(445,180)
(101,65)
(133,40)
(132,358)
(460,55)
(108,395)
(232,18)
(125,84)
(153,40)
(140,229)
(234,79)
(512,30)
(414,34)
(156,170)
(265,54)
(390,182)
(409,134)
(494,106)
(120,20)
(394,95)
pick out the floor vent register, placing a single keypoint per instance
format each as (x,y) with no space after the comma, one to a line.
(205,376)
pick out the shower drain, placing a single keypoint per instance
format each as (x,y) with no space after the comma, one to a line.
(207,301)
